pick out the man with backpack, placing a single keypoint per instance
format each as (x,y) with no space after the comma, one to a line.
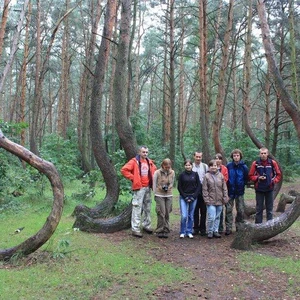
(264,172)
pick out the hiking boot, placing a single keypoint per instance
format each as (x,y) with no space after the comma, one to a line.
(228,232)
(203,233)
(210,235)
(137,234)
(217,235)
(160,235)
(165,235)
(148,230)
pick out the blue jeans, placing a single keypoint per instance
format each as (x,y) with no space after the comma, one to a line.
(213,217)
(261,198)
(187,215)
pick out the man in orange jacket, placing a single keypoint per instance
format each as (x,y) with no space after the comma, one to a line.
(140,170)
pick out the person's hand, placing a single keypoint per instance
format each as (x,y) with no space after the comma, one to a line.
(262,177)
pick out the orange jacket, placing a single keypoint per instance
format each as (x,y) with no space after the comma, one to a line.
(131,171)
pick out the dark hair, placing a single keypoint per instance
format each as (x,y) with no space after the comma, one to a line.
(187,161)
(219,156)
(236,151)
(212,162)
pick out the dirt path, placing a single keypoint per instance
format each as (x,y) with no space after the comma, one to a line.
(216,269)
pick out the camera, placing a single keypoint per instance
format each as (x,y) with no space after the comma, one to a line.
(165,187)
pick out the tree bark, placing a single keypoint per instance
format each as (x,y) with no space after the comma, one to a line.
(285,98)
(47,168)
(3,24)
(123,125)
(220,102)
(102,158)
(283,201)
(251,233)
(110,225)
(203,97)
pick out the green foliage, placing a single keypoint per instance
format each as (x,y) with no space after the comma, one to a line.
(63,154)
(12,129)
(62,249)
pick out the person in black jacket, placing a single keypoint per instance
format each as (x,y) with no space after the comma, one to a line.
(189,187)
(237,179)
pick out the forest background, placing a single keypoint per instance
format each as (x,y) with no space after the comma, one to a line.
(83,83)
(179,76)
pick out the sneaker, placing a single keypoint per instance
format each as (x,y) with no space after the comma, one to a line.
(190,236)
(137,234)
(228,232)
(210,235)
(217,235)
(160,235)
(165,235)
(181,235)
(148,230)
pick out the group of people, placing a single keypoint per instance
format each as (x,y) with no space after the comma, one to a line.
(204,191)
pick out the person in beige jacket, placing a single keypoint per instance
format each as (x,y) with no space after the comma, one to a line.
(163,181)
(214,191)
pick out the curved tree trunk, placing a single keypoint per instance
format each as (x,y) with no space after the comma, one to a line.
(251,233)
(92,222)
(47,168)
(283,201)
(102,158)
(109,225)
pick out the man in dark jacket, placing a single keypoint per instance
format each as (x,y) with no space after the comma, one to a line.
(264,173)
(237,179)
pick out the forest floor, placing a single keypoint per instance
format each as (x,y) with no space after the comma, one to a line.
(216,268)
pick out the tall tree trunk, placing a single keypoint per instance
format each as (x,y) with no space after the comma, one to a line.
(172,84)
(23,74)
(203,97)
(220,102)
(41,69)
(63,118)
(123,125)
(102,158)
(285,98)
(14,47)
(295,85)
(35,107)
(84,115)
(4,18)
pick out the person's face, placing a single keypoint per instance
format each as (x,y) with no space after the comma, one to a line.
(197,158)
(213,168)
(218,161)
(166,167)
(263,154)
(236,157)
(143,152)
(188,166)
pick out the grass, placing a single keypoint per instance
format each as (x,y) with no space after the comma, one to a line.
(74,264)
